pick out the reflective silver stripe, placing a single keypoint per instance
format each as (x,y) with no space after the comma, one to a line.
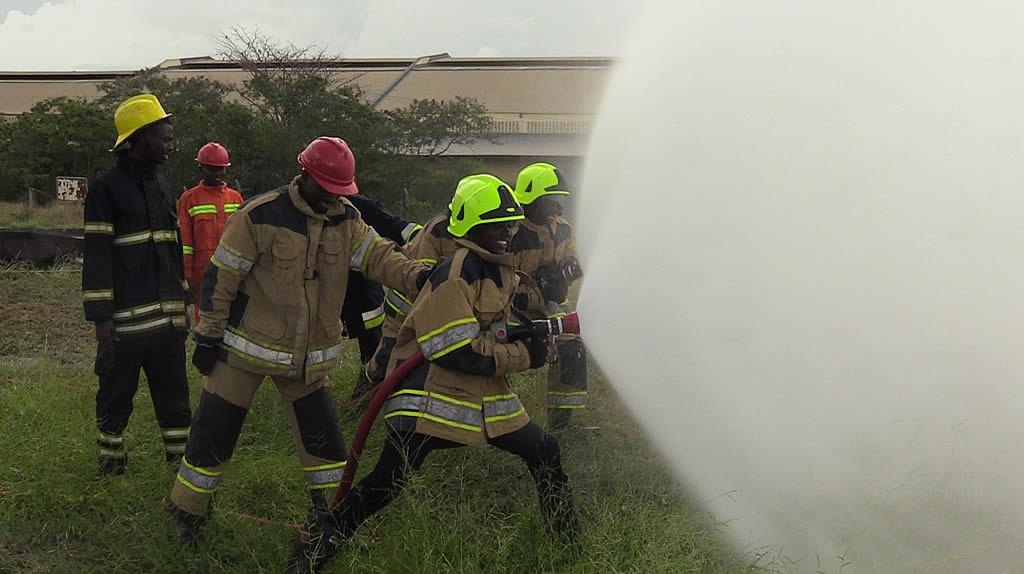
(567,400)
(325,476)
(165,236)
(98,295)
(371,315)
(136,311)
(398,302)
(111,439)
(132,238)
(231,259)
(142,326)
(198,480)
(359,254)
(409,230)
(436,407)
(99,227)
(172,306)
(323,355)
(113,453)
(175,433)
(500,409)
(438,344)
(247,347)
(175,448)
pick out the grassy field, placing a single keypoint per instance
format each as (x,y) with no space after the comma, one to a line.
(56,215)
(58,515)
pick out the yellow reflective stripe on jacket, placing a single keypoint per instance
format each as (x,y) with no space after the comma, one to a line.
(230,260)
(324,475)
(448,338)
(373,319)
(410,230)
(398,302)
(236,341)
(98,295)
(502,407)
(318,356)
(149,325)
(144,236)
(231,207)
(101,227)
(134,312)
(435,407)
(360,251)
(187,250)
(204,208)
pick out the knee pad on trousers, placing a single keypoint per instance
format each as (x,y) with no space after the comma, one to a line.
(215,431)
(572,360)
(318,425)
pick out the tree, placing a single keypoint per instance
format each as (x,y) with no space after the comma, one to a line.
(57,137)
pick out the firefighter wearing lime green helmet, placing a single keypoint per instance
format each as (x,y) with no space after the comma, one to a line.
(460,394)
(545,249)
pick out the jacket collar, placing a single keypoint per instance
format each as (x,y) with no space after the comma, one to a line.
(508,259)
(302,206)
(136,168)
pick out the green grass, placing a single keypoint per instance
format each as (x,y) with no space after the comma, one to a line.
(467,511)
(57,215)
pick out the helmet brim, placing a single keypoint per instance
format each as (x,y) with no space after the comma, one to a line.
(336,188)
(123,137)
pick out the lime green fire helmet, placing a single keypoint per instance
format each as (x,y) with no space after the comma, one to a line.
(537,180)
(481,199)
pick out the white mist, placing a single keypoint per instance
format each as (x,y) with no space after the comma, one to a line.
(803,232)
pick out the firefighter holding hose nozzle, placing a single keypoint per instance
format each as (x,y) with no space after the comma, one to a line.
(460,395)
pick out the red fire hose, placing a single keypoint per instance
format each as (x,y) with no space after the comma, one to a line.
(366,423)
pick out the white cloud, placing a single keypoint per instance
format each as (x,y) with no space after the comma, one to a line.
(126,34)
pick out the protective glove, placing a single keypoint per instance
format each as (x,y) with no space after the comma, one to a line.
(105,343)
(539,350)
(552,284)
(571,269)
(204,358)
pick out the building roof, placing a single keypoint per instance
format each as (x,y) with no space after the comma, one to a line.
(536,96)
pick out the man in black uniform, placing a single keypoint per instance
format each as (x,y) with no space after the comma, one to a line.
(133,284)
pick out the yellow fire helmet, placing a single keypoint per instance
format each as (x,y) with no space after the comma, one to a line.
(137,112)
(539,179)
(481,199)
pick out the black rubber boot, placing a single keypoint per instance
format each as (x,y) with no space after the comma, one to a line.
(312,553)
(187,524)
(363,384)
(558,419)
(113,466)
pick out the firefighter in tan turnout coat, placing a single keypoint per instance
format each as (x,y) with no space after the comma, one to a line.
(545,249)
(270,306)
(459,395)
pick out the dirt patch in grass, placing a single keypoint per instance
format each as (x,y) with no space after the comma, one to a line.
(42,314)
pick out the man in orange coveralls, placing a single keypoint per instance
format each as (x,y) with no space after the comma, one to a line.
(202,212)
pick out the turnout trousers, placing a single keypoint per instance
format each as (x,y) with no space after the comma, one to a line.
(162,356)
(227,396)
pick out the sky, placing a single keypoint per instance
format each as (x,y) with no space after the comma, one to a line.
(134,34)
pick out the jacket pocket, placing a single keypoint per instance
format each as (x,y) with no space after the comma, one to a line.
(488,308)
(331,251)
(286,261)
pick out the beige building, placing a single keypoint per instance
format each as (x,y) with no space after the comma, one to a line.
(541,108)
